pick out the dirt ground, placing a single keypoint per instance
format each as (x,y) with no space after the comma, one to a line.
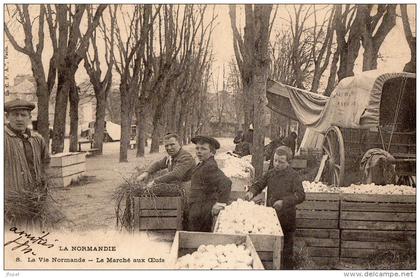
(89,206)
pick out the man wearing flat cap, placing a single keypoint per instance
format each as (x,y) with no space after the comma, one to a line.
(210,188)
(284,192)
(26,154)
(179,163)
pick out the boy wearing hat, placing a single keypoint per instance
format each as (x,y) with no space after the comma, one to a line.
(210,188)
(284,192)
(26,154)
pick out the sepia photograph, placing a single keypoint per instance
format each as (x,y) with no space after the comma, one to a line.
(180,136)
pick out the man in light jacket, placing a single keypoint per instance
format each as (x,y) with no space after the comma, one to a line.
(179,163)
(26,156)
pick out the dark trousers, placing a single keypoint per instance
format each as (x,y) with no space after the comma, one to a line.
(287,257)
(199,217)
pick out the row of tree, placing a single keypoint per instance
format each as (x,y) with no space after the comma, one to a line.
(160,54)
(326,40)
(317,40)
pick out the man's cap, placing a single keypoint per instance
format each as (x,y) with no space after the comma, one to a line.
(18,104)
(206,139)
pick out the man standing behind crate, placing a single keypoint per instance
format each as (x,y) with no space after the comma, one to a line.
(210,188)
(26,155)
(284,192)
(179,163)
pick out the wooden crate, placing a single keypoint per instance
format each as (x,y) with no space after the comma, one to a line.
(371,224)
(322,246)
(269,247)
(65,168)
(317,234)
(188,242)
(65,159)
(158,214)
(65,181)
(318,211)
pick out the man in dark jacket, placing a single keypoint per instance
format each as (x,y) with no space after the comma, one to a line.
(178,162)
(238,142)
(244,146)
(290,141)
(210,188)
(238,137)
(284,192)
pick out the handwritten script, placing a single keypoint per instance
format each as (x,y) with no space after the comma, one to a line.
(26,242)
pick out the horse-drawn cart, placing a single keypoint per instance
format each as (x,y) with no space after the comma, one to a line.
(371,112)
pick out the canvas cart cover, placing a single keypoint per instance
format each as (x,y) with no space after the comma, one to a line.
(354,103)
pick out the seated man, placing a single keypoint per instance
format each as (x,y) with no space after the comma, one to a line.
(178,162)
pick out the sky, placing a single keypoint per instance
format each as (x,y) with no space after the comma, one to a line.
(394,49)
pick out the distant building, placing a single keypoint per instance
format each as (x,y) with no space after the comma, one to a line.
(24,87)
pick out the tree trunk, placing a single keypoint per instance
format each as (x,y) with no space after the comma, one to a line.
(248,105)
(333,73)
(410,38)
(126,113)
(238,103)
(260,75)
(141,136)
(74,116)
(349,50)
(353,52)
(125,136)
(43,95)
(181,118)
(172,114)
(316,82)
(370,59)
(274,125)
(411,66)
(43,115)
(98,137)
(191,134)
(373,35)
(184,135)
(154,146)
(63,86)
(60,113)
(185,130)
(258,142)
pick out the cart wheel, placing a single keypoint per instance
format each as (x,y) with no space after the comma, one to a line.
(333,147)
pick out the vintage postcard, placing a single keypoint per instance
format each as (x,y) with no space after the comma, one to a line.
(209,136)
